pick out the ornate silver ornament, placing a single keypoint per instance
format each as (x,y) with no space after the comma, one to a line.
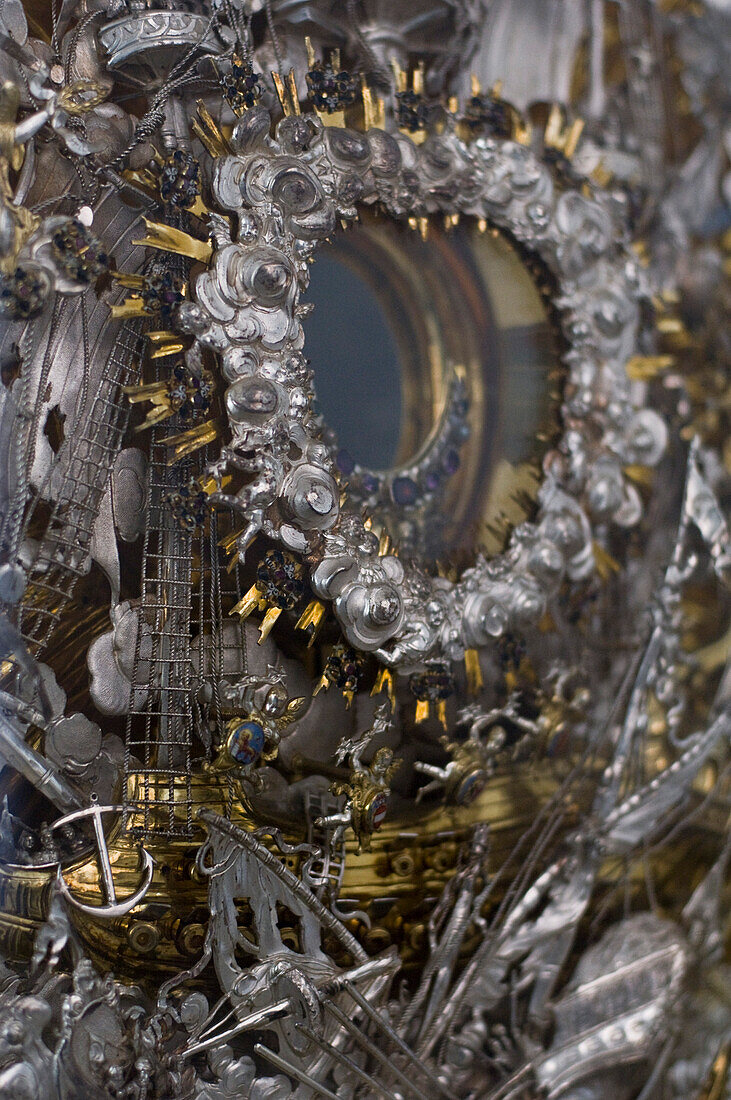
(397,778)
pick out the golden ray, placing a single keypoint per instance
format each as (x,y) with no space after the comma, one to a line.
(228,542)
(281,92)
(161,336)
(191,440)
(145,391)
(168,239)
(247,603)
(605,563)
(422,711)
(312,616)
(210,485)
(374,109)
(209,133)
(559,136)
(287,93)
(142,176)
(267,624)
(572,137)
(601,175)
(323,684)
(167,349)
(521,129)
(399,76)
(131,307)
(199,208)
(641,475)
(335,119)
(714,1087)
(552,132)
(643,368)
(293,93)
(128,280)
(384,682)
(156,415)
(670,325)
(475,682)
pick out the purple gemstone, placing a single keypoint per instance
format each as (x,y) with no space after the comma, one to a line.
(345,462)
(404,490)
(370,483)
(431,481)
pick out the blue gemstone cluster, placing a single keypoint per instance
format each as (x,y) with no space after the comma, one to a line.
(161,293)
(189,506)
(190,393)
(280,578)
(78,252)
(344,668)
(412,111)
(180,180)
(23,293)
(241,86)
(330,91)
(490,115)
(433,685)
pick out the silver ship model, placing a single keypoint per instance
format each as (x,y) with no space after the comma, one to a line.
(378,746)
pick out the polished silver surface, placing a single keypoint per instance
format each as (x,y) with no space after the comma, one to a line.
(431,827)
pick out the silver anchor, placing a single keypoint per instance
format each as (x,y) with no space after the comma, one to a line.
(111,908)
